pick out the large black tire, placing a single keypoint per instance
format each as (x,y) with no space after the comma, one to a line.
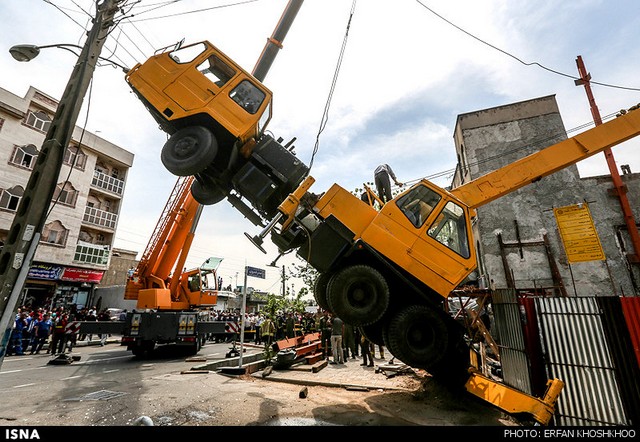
(418,336)
(189,151)
(207,195)
(359,295)
(197,345)
(320,290)
(145,349)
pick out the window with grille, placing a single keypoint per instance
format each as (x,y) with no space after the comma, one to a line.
(65,194)
(74,156)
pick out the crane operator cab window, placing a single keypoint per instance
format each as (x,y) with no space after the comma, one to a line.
(418,203)
(216,70)
(450,229)
(194,282)
(248,96)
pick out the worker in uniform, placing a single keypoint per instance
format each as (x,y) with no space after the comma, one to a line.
(268,330)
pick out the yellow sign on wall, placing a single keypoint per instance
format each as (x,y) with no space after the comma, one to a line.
(578,233)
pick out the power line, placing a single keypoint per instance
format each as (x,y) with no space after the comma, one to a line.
(325,113)
(188,12)
(534,63)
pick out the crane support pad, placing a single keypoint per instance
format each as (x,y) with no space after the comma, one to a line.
(514,401)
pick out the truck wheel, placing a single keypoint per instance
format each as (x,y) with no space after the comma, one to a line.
(418,336)
(359,295)
(189,151)
(320,290)
(207,195)
(197,346)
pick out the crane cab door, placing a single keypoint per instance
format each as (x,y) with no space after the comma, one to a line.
(438,236)
(209,82)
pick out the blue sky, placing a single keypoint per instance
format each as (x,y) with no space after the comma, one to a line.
(405,76)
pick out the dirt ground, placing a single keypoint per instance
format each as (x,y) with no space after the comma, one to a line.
(259,402)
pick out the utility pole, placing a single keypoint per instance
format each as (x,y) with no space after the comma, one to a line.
(619,189)
(284,287)
(23,237)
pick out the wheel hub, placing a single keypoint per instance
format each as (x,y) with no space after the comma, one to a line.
(186,146)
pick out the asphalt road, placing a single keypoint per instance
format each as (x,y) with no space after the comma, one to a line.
(109,387)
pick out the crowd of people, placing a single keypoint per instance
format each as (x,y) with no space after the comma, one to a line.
(56,329)
(339,341)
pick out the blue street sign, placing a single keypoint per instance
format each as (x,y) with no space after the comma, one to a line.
(255,272)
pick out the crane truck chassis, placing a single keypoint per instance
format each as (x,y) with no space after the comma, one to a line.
(388,271)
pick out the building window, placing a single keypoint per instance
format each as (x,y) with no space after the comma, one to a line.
(10,198)
(54,233)
(38,120)
(74,156)
(65,194)
(24,156)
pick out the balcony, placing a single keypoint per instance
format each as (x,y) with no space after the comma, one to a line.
(108,183)
(88,253)
(99,217)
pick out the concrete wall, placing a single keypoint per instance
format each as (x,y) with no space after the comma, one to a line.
(485,141)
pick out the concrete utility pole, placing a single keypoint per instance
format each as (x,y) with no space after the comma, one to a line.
(23,237)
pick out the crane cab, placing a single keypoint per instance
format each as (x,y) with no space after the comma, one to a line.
(210,107)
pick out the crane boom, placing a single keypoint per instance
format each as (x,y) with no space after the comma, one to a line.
(274,43)
(531,168)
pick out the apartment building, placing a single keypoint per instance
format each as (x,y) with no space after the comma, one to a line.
(77,240)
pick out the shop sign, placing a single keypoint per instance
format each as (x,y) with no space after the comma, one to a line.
(82,275)
(45,271)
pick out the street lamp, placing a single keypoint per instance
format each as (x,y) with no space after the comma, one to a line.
(25,53)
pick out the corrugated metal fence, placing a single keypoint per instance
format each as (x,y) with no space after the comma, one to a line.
(589,343)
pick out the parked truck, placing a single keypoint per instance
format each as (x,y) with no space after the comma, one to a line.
(172,301)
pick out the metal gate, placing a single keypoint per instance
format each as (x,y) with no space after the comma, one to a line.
(590,343)
(577,352)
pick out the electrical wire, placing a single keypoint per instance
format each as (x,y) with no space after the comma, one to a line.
(539,142)
(535,63)
(325,113)
(190,12)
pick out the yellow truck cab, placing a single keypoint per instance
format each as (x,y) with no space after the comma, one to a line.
(213,110)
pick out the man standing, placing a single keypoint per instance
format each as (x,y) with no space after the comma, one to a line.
(349,339)
(268,330)
(337,330)
(382,178)
(324,327)
(42,331)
